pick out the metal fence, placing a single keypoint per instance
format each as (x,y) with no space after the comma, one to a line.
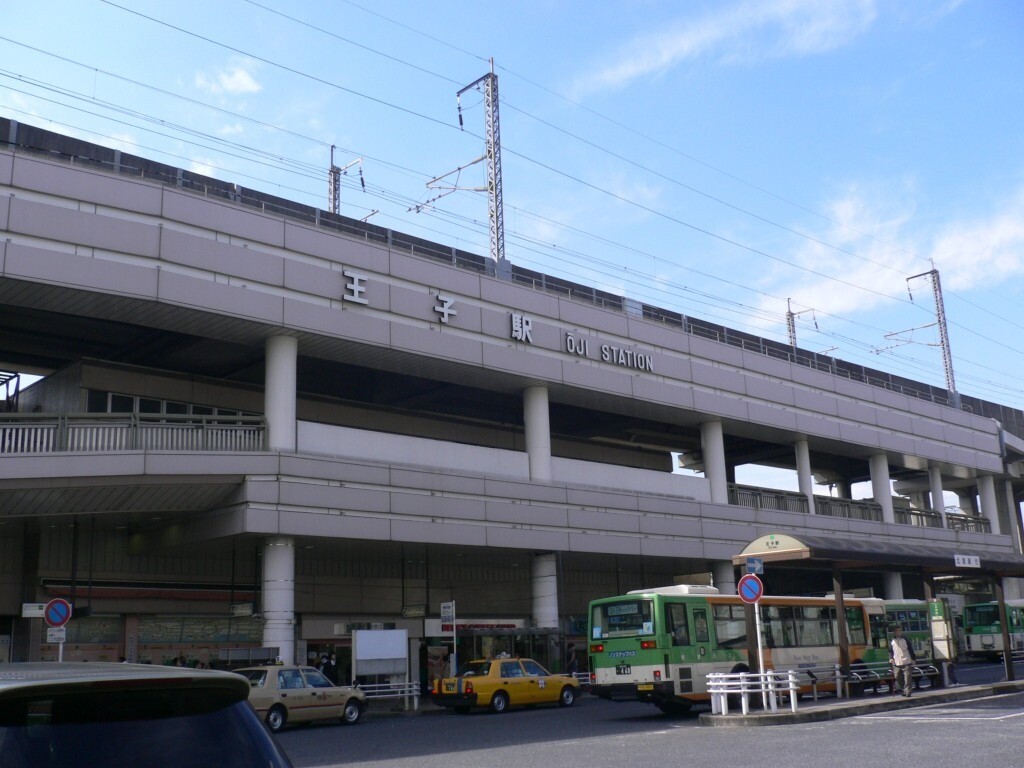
(852,509)
(105,432)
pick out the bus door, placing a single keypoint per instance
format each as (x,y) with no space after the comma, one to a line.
(701,633)
(879,631)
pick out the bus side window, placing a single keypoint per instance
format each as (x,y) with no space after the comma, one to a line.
(678,625)
(700,625)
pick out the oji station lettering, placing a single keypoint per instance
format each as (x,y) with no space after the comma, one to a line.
(609,353)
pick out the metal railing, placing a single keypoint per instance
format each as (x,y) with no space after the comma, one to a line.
(105,432)
(968,523)
(406,695)
(925,518)
(848,508)
(851,509)
(763,498)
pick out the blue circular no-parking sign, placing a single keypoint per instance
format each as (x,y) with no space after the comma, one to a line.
(750,589)
(57,612)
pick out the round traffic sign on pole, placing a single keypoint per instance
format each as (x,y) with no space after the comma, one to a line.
(57,612)
(750,589)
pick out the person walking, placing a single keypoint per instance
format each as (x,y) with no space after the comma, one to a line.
(572,664)
(902,658)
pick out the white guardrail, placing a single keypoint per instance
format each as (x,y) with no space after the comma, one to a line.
(770,686)
(410,692)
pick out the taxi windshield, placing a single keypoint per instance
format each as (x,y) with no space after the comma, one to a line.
(475,669)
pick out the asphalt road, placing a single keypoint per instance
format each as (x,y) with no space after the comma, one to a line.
(600,734)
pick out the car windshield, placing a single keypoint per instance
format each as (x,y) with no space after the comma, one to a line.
(315,679)
(475,669)
(257,677)
(169,727)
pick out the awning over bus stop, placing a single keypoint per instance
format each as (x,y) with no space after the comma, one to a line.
(811,550)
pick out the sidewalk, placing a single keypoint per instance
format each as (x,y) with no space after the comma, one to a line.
(830,708)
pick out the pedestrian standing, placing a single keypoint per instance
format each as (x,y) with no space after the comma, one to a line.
(331,668)
(902,658)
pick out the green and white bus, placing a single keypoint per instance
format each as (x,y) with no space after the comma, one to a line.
(983,632)
(659,645)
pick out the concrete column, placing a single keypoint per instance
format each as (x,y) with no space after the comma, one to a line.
(803,472)
(712,440)
(724,575)
(880,486)
(279,394)
(893,586)
(545,590)
(537,421)
(279,596)
(843,489)
(938,502)
(987,497)
(1013,514)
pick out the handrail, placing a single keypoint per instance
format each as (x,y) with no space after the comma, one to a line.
(101,432)
(753,497)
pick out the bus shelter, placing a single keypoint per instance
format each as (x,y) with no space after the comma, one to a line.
(841,556)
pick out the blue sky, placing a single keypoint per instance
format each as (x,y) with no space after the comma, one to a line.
(714,158)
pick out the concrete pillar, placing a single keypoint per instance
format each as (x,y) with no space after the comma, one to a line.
(712,440)
(537,421)
(938,502)
(723,574)
(803,472)
(843,489)
(545,590)
(279,394)
(987,499)
(279,596)
(881,489)
(1013,514)
(893,586)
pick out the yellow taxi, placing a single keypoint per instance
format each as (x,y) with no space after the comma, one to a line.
(503,682)
(295,694)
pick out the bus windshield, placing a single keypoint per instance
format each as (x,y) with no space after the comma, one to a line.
(985,615)
(624,618)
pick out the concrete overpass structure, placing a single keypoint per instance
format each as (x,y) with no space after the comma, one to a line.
(251,401)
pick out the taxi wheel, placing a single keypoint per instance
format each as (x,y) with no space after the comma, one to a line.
(352,712)
(499,702)
(567,696)
(276,718)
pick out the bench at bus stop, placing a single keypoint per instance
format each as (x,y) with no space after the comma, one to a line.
(864,675)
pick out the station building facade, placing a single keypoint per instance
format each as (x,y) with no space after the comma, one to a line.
(262,425)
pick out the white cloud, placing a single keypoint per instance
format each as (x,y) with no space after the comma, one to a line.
(233,80)
(748,31)
(880,227)
(230,130)
(983,252)
(204,166)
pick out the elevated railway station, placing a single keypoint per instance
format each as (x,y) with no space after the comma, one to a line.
(263,425)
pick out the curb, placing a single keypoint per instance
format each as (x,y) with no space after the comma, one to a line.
(846,708)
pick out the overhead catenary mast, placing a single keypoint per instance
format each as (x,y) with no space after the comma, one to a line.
(940,321)
(488,85)
(492,155)
(334,182)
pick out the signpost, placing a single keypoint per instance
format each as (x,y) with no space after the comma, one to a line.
(448,614)
(751,590)
(56,614)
